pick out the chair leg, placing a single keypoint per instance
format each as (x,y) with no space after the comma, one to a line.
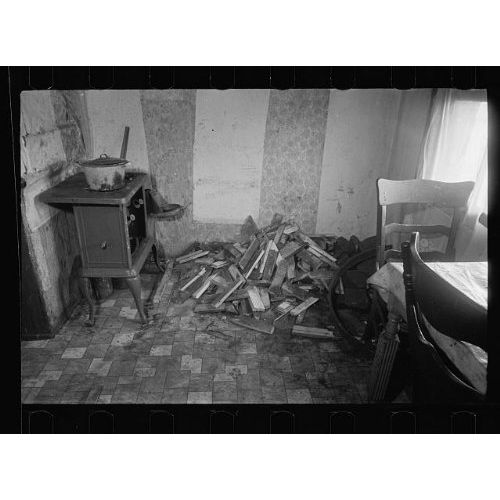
(134,285)
(86,286)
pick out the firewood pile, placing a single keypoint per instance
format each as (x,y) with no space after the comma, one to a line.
(270,279)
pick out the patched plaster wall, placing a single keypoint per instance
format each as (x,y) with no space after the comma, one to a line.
(359,138)
(51,143)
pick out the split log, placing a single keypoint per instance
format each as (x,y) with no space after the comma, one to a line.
(291,229)
(235,272)
(219,264)
(303,306)
(247,257)
(264,295)
(191,256)
(229,292)
(314,333)
(254,298)
(264,258)
(270,262)
(294,291)
(210,308)
(253,324)
(316,250)
(203,288)
(206,261)
(279,234)
(279,276)
(194,279)
(254,263)
(290,272)
(290,249)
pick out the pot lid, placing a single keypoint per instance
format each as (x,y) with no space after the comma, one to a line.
(103,161)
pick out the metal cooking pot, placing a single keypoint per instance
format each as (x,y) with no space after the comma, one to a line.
(105,173)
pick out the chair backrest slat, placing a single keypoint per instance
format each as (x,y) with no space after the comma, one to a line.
(427,192)
(436,193)
(394,227)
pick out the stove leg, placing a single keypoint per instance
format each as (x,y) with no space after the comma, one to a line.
(87,293)
(134,285)
(155,257)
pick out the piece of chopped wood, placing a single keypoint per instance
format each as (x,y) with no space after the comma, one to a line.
(304,266)
(195,278)
(291,229)
(247,257)
(234,272)
(253,324)
(307,288)
(303,306)
(246,310)
(321,256)
(264,295)
(254,264)
(290,272)
(254,298)
(229,292)
(232,250)
(203,288)
(283,313)
(294,291)
(264,258)
(238,295)
(315,333)
(220,281)
(205,261)
(300,317)
(270,262)
(284,307)
(210,308)
(242,249)
(218,264)
(307,257)
(191,256)
(316,250)
(325,274)
(259,283)
(279,276)
(279,234)
(290,249)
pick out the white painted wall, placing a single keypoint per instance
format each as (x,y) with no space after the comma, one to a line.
(228,154)
(109,112)
(359,135)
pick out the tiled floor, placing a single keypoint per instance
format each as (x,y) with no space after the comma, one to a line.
(183,357)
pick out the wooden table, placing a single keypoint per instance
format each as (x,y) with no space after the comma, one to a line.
(113,232)
(471,278)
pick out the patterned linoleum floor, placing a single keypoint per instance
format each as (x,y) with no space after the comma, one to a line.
(183,357)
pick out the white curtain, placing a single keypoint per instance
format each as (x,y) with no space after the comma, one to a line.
(455,150)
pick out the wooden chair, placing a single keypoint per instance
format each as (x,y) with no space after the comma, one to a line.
(448,311)
(433,193)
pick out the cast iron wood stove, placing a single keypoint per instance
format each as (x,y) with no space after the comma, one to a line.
(113,232)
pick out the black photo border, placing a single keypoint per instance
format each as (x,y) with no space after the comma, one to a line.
(243,418)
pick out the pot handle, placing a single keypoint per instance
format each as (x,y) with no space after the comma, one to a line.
(104,155)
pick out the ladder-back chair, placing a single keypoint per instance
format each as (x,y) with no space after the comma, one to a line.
(431,193)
